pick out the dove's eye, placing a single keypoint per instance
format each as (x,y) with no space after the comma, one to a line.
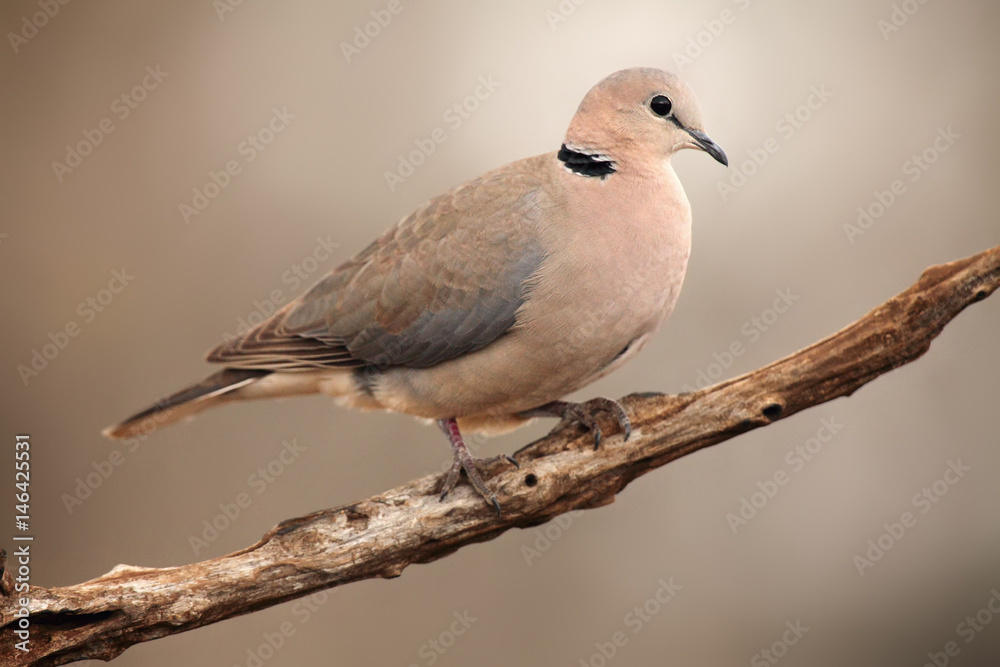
(661,105)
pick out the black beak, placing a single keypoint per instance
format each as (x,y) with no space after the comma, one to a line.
(706,144)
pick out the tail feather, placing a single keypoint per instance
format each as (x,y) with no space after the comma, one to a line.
(187,402)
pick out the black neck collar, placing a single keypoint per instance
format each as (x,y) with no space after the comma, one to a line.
(586,164)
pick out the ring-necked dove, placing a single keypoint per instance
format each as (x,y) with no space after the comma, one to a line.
(487,304)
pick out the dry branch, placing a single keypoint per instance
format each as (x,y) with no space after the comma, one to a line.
(380,536)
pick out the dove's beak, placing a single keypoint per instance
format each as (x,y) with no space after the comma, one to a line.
(705,143)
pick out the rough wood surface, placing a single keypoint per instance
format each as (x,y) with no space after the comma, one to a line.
(382,535)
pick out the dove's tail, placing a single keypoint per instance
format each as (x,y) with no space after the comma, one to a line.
(211,391)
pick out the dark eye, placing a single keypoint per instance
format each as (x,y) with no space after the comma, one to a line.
(661,105)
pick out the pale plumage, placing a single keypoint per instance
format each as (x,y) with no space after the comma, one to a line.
(490,302)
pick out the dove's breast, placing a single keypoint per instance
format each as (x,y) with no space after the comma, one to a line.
(616,252)
(614,274)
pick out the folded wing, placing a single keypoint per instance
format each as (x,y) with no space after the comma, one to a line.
(447,280)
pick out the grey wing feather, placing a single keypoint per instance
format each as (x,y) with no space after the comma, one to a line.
(447,280)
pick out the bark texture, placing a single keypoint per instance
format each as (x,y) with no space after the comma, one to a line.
(382,535)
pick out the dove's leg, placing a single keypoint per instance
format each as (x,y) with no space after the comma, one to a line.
(465,461)
(584,414)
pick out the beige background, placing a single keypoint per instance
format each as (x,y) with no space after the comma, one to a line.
(324,176)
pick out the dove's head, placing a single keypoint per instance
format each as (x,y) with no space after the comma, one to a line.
(640,115)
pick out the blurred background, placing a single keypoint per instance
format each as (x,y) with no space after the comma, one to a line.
(175,170)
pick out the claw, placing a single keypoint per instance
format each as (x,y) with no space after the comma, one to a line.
(615,408)
(465,461)
(583,414)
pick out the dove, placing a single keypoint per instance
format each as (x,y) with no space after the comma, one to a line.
(488,304)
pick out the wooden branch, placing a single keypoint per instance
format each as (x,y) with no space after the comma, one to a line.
(380,536)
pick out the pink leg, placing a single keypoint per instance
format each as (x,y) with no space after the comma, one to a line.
(465,461)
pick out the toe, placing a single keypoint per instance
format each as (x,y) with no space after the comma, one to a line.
(620,415)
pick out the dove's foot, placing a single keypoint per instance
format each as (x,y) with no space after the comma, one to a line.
(584,414)
(467,462)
